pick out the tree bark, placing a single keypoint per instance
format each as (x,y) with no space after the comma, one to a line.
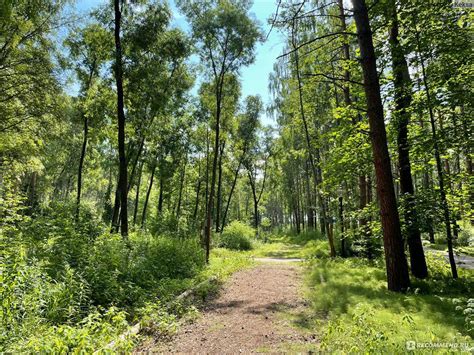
(403,98)
(84,147)
(198,191)
(315,169)
(396,264)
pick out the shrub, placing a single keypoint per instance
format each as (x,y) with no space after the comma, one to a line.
(237,236)
(31,299)
(124,274)
(164,257)
(465,239)
(94,332)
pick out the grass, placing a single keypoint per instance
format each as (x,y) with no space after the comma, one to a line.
(463,245)
(351,311)
(355,312)
(289,246)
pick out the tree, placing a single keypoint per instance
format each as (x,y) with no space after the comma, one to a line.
(118,70)
(227,38)
(397,268)
(403,98)
(245,138)
(89,50)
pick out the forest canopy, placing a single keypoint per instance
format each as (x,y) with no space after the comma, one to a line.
(130,157)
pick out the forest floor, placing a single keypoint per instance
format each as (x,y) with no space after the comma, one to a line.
(256,311)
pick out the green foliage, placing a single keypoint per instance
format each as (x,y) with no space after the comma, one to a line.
(90,334)
(237,236)
(357,314)
(54,238)
(127,273)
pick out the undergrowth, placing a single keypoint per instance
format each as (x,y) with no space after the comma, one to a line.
(356,313)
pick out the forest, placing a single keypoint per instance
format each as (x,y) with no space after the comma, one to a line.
(150,201)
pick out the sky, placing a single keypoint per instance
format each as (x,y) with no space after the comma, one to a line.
(254,78)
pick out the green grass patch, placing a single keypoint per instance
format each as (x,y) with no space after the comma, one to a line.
(289,246)
(355,313)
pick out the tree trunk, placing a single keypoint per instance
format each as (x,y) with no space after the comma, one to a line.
(309,207)
(116,210)
(341,221)
(147,197)
(81,165)
(121,123)
(255,200)
(396,264)
(219,81)
(234,183)
(180,195)
(307,135)
(198,191)
(219,189)
(403,98)
(137,194)
(439,167)
(161,196)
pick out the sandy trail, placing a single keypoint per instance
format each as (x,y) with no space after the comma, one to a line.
(252,314)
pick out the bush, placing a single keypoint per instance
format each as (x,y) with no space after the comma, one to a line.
(94,332)
(31,299)
(124,274)
(237,236)
(466,238)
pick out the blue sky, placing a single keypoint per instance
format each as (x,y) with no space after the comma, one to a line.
(254,78)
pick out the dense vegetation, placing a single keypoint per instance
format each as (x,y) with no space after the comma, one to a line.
(121,186)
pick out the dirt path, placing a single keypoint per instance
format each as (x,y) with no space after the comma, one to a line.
(463,261)
(252,314)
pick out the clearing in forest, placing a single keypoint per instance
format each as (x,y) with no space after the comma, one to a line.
(257,311)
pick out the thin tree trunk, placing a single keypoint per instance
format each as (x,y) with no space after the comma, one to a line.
(341,221)
(403,98)
(161,196)
(147,196)
(234,183)
(210,204)
(116,210)
(219,189)
(396,264)
(439,167)
(198,191)
(81,165)
(137,194)
(180,195)
(307,135)
(309,207)
(121,123)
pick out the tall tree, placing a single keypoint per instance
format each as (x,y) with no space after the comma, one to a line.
(118,68)
(403,98)
(227,38)
(89,50)
(396,264)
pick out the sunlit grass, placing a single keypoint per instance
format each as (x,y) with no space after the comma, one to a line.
(354,311)
(289,246)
